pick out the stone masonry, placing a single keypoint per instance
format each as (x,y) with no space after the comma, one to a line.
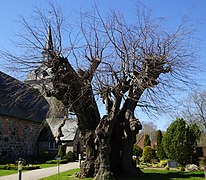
(18,138)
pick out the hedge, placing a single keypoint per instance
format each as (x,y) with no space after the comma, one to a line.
(14,167)
(63,161)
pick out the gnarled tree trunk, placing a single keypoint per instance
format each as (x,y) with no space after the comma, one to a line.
(75,91)
(128,166)
(87,168)
(123,139)
(103,133)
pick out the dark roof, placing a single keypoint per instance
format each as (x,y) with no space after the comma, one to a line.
(20,100)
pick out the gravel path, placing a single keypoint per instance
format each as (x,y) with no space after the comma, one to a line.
(41,173)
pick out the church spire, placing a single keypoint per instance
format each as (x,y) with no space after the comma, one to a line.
(49,41)
(48,50)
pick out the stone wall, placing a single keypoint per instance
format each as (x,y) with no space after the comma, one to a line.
(18,138)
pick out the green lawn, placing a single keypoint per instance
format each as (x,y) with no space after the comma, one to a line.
(68,175)
(171,175)
(149,175)
(47,165)
(8,172)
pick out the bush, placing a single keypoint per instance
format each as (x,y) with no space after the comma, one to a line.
(9,167)
(31,167)
(2,167)
(143,165)
(61,151)
(147,141)
(63,161)
(167,168)
(180,141)
(155,165)
(148,154)
(14,167)
(160,150)
(51,161)
(163,163)
(137,151)
(137,154)
(182,169)
(70,156)
(154,160)
(46,155)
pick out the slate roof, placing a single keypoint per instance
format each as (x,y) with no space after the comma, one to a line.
(50,130)
(20,100)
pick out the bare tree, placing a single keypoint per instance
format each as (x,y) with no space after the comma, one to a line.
(148,128)
(193,109)
(117,62)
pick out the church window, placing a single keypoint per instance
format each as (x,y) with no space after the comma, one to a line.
(53,145)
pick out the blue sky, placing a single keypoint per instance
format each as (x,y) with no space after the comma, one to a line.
(173,10)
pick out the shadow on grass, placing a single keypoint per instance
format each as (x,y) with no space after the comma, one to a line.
(167,176)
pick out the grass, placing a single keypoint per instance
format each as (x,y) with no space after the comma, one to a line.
(47,165)
(8,172)
(148,175)
(68,175)
(171,175)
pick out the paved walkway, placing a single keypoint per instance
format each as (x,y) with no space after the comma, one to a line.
(41,173)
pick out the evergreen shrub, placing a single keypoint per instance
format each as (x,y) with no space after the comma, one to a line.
(70,156)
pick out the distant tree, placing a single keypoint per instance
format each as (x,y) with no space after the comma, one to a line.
(192,134)
(148,154)
(194,109)
(61,151)
(148,128)
(159,136)
(160,150)
(180,141)
(147,141)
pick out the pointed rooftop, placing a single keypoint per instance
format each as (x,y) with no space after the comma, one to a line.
(48,50)
(49,41)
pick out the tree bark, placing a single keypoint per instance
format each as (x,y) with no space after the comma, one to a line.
(122,141)
(128,166)
(88,119)
(116,144)
(103,133)
(87,168)
(75,91)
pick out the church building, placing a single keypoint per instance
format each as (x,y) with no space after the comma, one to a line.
(29,120)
